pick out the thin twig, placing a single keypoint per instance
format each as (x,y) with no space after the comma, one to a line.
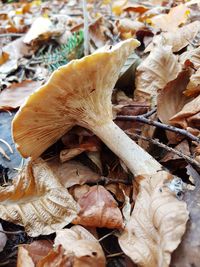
(2,35)
(105,236)
(119,254)
(86,28)
(167,127)
(169,149)
(6,143)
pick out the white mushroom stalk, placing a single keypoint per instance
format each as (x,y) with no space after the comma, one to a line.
(79,93)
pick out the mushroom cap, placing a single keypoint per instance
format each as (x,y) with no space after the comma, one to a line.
(78,93)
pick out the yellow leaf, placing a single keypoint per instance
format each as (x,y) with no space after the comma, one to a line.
(117,6)
(157,223)
(3,57)
(37,201)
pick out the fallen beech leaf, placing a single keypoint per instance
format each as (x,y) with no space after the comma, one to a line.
(135,8)
(13,96)
(126,25)
(169,22)
(157,223)
(72,173)
(37,201)
(3,239)
(160,67)
(193,87)
(42,29)
(117,6)
(189,109)
(30,254)
(67,154)
(99,209)
(82,246)
(187,254)
(177,39)
(171,99)
(193,56)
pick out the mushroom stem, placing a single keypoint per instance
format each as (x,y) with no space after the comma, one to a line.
(135,158)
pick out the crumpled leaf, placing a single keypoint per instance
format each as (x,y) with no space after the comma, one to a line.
(37,200)
(72,173)
(171,99)
(169,22)
(177,39)
(42,29)
(160,67)
(82,246)
(3,239)
(31,254)
(98,209)
(189,109)
(13,96)
(157,223)
(193,56)
(193,87)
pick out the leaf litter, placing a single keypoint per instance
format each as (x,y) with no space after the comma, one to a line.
(77,178)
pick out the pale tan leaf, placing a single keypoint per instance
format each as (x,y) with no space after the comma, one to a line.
(171,99)
(82,246)
(193,87)
(3,239)
(99,209)
(177,39)
(13,96)
(38,201)
(192,55)
(72,172)
(169,22)
(157,223)
(189,109)
(160,67)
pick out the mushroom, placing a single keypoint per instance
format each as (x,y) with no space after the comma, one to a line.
(79,93)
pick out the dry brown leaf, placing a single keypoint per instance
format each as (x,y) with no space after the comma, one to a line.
(160,67)
(171,99)
(127,25)
(137,8)
(157,223)
(30,254)
(193,87)
(189,109)
(193,56)
(169,22)
(3,57)
(72,173)
(13,96)
(82,246)
(99,209)
(177,39)
(38,201)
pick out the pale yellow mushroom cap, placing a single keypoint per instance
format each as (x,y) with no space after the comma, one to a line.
(77,93)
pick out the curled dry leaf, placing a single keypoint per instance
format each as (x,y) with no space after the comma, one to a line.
(13,96)
(157,223)
(170,22)
(38,201)
(171,99)
(193,56)
(160,67)
(82,246)
(177,39)
(193,87)
(30,255)
(190,109)
(72,173)
(99,209)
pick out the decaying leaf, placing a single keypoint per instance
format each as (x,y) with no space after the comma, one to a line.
(157,223)
(37,200)
(193,56)
(99,209)
(72,173)
(13,96)
(160,67)
(193,87)
(170,22)
(189,110)
(177,39)
(82,246)
(171,99)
